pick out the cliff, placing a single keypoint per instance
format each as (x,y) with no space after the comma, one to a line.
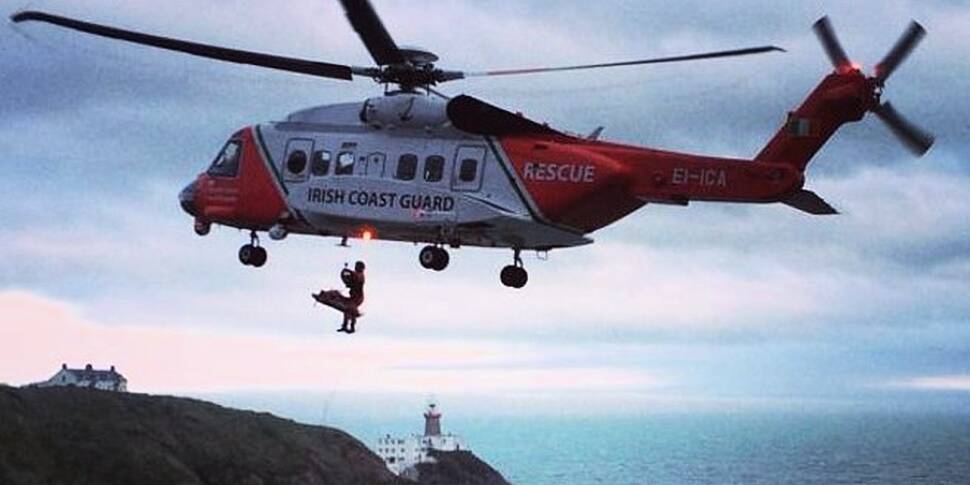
(456,468)
(81,436)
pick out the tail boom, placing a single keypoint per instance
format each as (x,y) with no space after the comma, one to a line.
(840,98)
(681,180)
(777,173)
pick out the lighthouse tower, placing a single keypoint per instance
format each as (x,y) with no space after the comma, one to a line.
(401,453)
(432,421)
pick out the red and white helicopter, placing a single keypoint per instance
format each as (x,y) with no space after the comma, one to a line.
(413,165)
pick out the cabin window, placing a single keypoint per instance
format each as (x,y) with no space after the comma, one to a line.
(226,163)
(375,165)
(407,167)
(296,163)
(345,163)
(434,168)
(320,165)
(468,170)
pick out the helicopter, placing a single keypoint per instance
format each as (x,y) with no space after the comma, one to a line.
(415,165)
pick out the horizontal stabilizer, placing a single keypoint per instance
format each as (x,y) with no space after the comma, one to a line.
(810,202)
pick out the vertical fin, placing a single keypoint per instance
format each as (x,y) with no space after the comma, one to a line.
(838,99)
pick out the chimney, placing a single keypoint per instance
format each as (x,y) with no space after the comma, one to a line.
(88,367)
(432,421)
(112,369)
(63,366)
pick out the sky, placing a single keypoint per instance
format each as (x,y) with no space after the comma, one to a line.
(708,307)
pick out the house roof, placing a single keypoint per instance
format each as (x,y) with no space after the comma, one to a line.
(90,374)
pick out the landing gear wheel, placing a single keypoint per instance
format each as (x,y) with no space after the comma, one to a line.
(259,257)
(202,228)
(433,257)
(426,256)
(246,254)
(252,254)
(514,276)
(441,260)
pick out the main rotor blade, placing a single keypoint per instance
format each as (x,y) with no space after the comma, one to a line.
(826,35)
(371,30)
(904,46)
(917,140)
(312,68)
(659,60)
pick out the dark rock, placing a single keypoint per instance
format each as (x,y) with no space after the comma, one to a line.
(457,468)
(81,436)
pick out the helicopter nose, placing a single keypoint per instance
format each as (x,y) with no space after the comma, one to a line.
(187,199)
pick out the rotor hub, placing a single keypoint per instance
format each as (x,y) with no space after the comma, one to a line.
(418,56)
(408,76)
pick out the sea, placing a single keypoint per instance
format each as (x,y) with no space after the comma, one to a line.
(717,448)
(706,448)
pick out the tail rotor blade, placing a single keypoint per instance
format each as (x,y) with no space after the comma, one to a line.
(904,46)
(917,140)
(826,35)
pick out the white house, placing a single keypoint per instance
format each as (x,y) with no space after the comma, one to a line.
(107,380)
(399,454)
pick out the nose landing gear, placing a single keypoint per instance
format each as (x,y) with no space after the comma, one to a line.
(201,227)
(433,257)
(253,254)
(514,275)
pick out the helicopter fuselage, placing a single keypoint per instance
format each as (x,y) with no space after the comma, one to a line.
(396,168)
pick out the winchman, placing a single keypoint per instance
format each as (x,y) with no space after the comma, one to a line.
(348,305)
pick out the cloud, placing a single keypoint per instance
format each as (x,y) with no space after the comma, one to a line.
(959,383)
(38,333)
(669,105)
(98,137)
(905,215)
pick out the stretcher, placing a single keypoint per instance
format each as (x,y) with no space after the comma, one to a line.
(333,299)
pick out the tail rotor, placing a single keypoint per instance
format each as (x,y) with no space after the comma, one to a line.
(912,136)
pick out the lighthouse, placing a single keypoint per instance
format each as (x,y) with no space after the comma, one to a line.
(432,421)
(403,453)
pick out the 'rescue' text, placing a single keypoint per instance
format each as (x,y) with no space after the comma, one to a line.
(559,172)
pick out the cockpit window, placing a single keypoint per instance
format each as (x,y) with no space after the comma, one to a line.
(226,163)
(296,164)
